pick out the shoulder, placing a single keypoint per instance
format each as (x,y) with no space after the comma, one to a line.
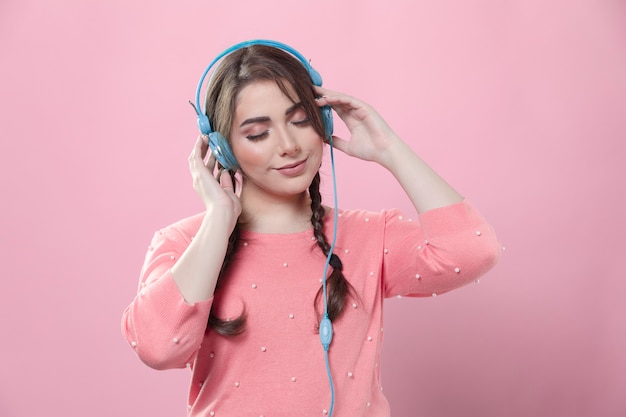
(352,217)
(184,229)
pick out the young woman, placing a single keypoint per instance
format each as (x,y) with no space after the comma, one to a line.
(235,293)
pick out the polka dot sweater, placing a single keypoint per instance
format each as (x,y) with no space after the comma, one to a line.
(276,368)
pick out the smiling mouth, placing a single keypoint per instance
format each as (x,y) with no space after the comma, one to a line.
(291,166)
(293,169)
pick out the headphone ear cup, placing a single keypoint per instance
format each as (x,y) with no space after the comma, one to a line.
(204,124)
(327,119)
(222,152)
(316,78)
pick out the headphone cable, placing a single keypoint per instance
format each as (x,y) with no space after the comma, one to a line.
(326,330)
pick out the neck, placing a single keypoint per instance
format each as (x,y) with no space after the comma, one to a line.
(264,215)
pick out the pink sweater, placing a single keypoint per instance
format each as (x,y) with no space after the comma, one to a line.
(276,368)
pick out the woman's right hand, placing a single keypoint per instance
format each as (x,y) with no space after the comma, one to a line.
(214,186)
(197,270)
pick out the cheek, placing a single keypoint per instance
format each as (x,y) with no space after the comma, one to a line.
(248,155)
(318,148)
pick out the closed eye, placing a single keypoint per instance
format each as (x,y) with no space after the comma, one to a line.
(258,136)
(301,122)
(298,116)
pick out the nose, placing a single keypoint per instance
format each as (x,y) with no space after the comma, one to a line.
(287,143)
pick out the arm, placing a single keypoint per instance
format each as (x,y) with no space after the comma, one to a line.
(373,140)
(452,245)
(448,247)
(198,268)
(163,329)
(166,321)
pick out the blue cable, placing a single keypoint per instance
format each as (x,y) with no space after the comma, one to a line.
(326,329)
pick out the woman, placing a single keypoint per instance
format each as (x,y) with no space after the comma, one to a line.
(234,292)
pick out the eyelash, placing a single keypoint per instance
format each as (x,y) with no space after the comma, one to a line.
(253,138)
(257,137)
(301,122)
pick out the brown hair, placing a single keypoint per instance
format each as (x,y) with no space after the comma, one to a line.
(236,71)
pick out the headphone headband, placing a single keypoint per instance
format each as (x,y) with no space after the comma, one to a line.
(217,143)
(315,76)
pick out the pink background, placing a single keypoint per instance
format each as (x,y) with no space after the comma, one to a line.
(520,104)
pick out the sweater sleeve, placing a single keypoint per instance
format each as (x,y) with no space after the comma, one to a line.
(162,328)
(447,248)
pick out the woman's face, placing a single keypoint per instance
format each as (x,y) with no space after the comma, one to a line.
(274,142)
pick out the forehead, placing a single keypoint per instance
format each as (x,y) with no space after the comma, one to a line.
(266,92)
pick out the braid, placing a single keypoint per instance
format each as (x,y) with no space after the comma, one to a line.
(337,286)
(238,325)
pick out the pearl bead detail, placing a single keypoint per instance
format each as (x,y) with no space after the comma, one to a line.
(457,270)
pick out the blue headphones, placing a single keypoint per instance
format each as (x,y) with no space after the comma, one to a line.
(217,142)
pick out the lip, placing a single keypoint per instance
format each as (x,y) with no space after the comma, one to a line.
(291,170)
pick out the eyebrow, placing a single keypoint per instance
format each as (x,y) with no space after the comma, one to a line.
(263,119)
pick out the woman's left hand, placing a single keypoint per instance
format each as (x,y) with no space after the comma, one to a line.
(370,137)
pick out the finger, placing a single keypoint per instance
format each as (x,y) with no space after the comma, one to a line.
(211,165)
(204,146)
(321,91)
(194,156)
(340,144)
(226,181)
(342,104)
